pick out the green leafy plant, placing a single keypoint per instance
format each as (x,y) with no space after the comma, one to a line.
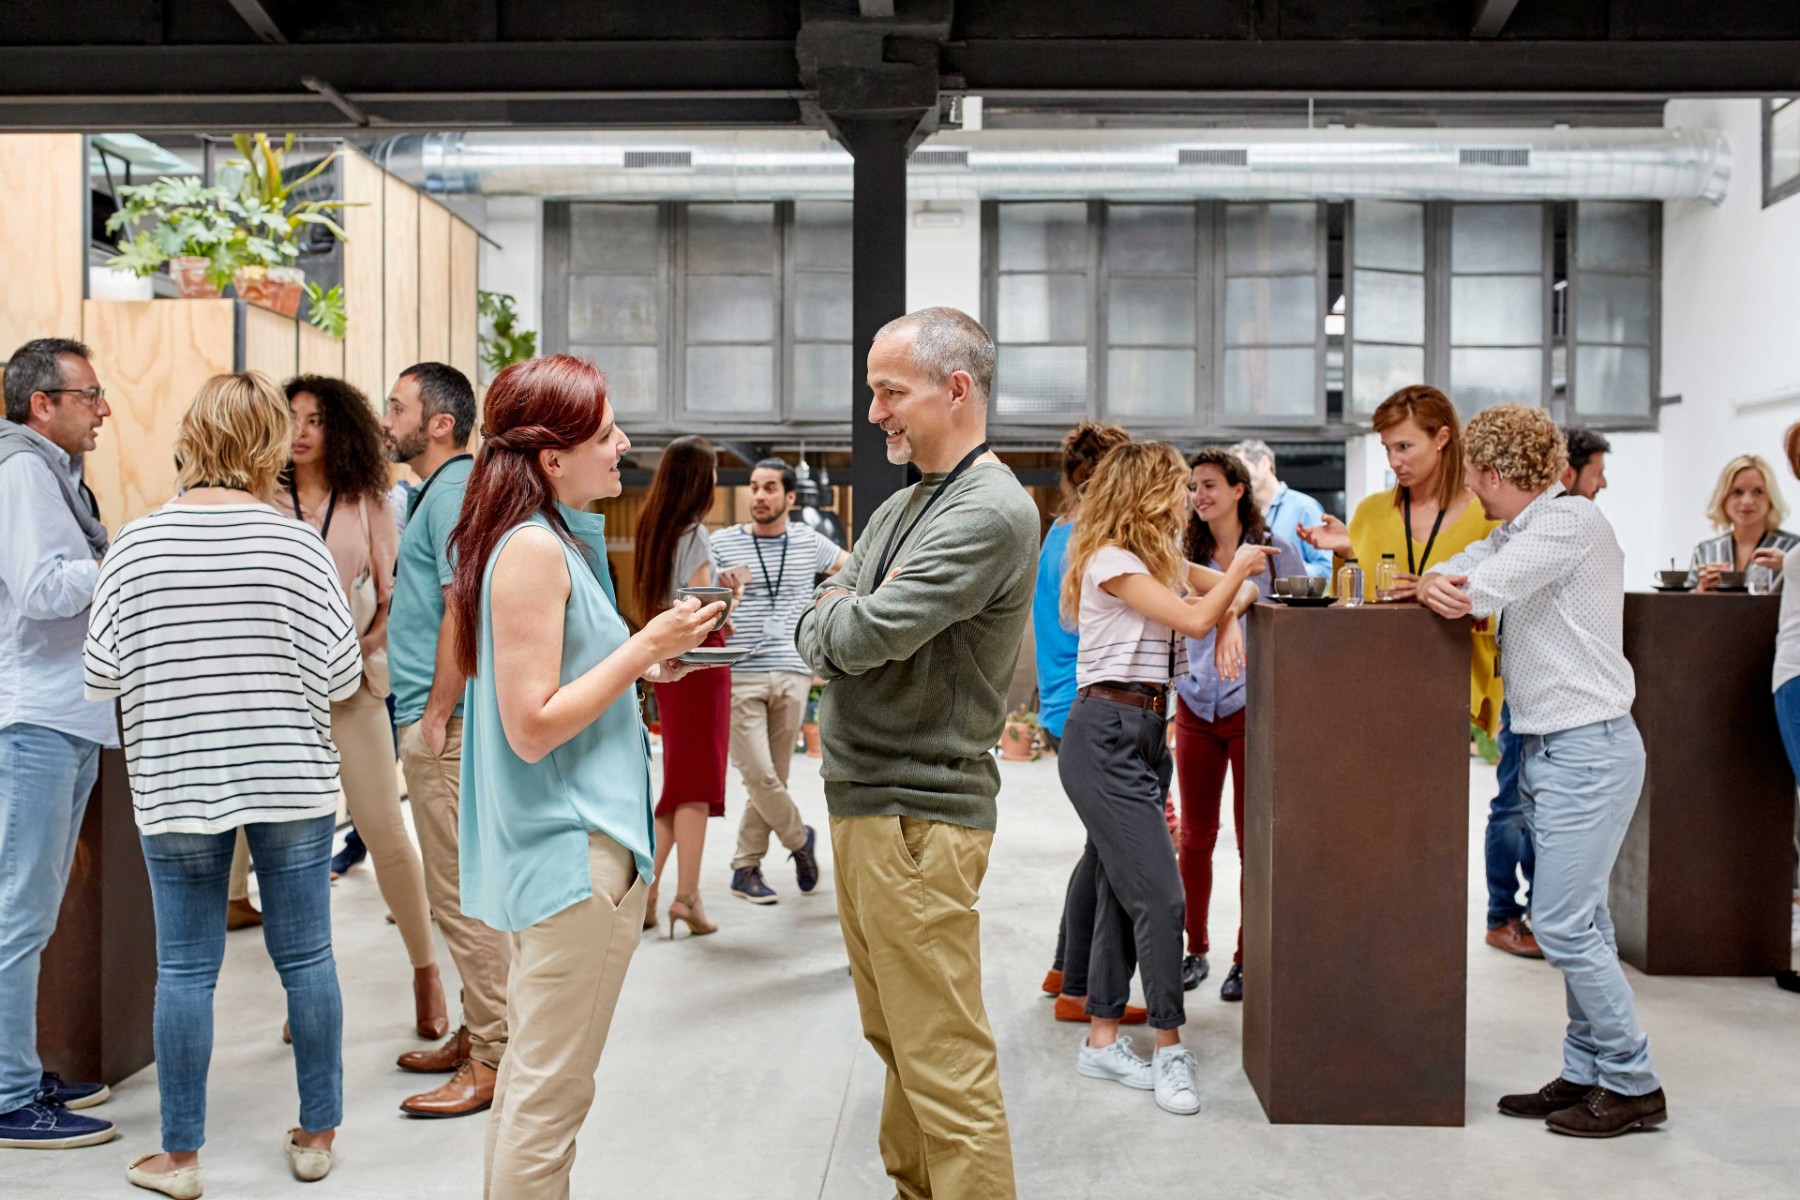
(1485,746)
(326,309)
(269,221)
(172,217)
(505,343)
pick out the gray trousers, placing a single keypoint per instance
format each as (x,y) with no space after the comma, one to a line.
(1115,767)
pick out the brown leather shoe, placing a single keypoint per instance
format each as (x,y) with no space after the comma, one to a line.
(1553,1097)
(241,914)
(446,1057)
(470,1090)
(1604,1114)
(1070,1009)
(1514,937)
(1052,984)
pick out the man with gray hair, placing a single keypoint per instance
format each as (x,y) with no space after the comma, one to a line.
(1284,509)
(917,644)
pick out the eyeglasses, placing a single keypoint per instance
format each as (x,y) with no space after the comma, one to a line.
(89,396)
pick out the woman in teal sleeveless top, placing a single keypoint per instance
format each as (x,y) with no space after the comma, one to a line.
(555,811)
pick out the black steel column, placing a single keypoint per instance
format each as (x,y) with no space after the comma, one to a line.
(878,261)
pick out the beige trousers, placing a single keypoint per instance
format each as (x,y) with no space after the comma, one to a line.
(481,954)
(566,975)
(906,893)
(766,708)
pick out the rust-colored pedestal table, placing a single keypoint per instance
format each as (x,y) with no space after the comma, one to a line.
(1703,882)
(97,989)
(1356,885)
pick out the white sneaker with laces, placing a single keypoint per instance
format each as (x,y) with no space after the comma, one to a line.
(1174,1082)
(1117,1062)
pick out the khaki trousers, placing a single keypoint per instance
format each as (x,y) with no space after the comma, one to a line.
(566,975)
(481,954)
(766,709)
(906,893)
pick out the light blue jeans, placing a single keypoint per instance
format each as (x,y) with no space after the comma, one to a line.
(45,779)
(1580,787)
(190,876)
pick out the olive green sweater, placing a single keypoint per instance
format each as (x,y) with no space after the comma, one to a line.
(917,668)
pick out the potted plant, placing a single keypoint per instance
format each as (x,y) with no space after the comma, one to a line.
(503,343)
(270,223)
(181,222)
(809,726)
(1019,741)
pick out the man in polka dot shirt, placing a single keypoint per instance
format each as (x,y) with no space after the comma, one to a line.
(1553,575)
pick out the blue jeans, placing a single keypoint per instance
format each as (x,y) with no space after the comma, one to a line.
(1509,849)
(45,780)
(189,877)
(1580,788)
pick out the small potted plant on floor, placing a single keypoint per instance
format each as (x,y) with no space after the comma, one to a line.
(1019,741)
(270,223)
(180,222)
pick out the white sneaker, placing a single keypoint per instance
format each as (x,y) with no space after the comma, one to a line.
(1174,1083)
(1117,1062)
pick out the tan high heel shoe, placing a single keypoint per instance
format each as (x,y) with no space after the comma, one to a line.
(688,909)
(430,1014)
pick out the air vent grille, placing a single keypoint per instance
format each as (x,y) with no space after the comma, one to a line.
(652,160)
(933,157)
(1494,156)
(1213,156)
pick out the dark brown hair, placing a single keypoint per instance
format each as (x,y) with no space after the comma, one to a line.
(549,403)
(1431,411)
(1082,449)
(680,494)
(356,460)
(1200,545)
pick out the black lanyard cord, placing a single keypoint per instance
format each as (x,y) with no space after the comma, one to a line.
(780,571)
(1406,501)
(330,508)
(418,497)
(898,537)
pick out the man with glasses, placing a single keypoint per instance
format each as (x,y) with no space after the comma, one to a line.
(50,734)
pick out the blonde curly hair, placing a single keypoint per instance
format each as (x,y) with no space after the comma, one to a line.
(1136,499)
(1521,443)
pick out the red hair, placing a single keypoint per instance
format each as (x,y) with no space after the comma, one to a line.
(549,403)
(1431,411)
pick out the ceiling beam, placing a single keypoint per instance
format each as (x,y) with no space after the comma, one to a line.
(256,15)
(877,8)
(1491,17)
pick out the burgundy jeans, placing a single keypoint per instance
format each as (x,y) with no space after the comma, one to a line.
(1202,750)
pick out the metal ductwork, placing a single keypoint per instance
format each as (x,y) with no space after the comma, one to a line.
(1161,164)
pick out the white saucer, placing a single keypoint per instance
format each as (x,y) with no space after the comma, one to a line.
(716,656)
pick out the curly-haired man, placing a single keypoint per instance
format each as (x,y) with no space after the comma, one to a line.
(1554,575)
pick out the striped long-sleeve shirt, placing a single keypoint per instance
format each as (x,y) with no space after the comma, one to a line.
(224,634)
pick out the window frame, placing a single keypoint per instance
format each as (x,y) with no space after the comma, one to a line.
(1775,192)
(1650,420)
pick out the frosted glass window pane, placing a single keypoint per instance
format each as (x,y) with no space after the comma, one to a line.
(1386,307)
(614,308)
(730,308)
(1497,237)
(731,237)
(1041,380)
(1147,312)
(821,305)
(1389,233)
(632,375)
(1150,383)
(1479,378)
(1377,372)
(1612,381)
(1271,237)
(1150,238)
(1281,310)
(1612,236)
(822,234)
(1043,308)
(1272,383)
(1043,237)
(822,379)
(1784,144)
(615,237)
(731,379)
(1612,308)
(1496,310)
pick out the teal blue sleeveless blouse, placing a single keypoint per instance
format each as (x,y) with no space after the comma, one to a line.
(524,826)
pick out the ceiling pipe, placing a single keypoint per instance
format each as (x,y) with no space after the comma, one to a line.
(1161,164)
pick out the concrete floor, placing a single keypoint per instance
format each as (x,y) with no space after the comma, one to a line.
(736,1070)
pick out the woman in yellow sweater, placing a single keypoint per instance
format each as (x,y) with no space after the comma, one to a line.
(1427,516)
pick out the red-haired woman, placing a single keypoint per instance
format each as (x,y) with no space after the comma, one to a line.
(555,820)
(673,552)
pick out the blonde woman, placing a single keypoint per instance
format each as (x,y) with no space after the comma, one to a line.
(222,629)
(1746,506)
(1134,599)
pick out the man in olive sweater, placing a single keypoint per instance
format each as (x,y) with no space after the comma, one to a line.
(917,637)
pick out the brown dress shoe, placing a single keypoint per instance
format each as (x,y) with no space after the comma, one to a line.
(446,1057)
(470,1090)
(1052,984)
(241,914)
(1070,1009)
(1514,937)
(1604,1114)
(1553,1097)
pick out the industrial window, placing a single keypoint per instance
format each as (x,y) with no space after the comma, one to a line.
(1612,296)
(1499,305)
(1386,313)
(1781,148)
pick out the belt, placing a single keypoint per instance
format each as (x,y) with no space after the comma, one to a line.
(1157,703)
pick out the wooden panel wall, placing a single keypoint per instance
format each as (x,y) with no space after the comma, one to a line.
(321,354)
(465,259)
(434,281)
(42,256)
(364,361)
(271,344)
(151,356)
(400,278)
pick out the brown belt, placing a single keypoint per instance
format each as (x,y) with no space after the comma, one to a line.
(1158,703)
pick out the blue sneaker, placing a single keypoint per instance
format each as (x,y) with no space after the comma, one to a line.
(73,1095)
(747,884)
(806,867)
(44,1124)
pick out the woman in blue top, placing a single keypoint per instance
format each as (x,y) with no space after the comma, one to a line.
(555,818)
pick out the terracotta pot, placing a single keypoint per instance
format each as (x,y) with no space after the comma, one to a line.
(189,273)
(811,732)
(279,288)
(1016,744)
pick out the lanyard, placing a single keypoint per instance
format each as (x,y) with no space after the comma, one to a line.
(330,508)
(780,571)
(898,538)
(412,505)
(1411,569)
